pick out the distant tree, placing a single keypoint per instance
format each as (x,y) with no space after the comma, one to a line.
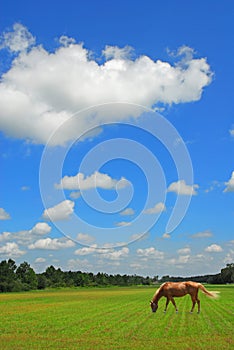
(227,273)
(26,275)
(42,281)
(54,277)
(165,278)
(8,281)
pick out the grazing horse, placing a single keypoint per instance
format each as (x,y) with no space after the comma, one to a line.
(170,290)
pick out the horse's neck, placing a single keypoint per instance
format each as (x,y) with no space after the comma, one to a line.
(157,295)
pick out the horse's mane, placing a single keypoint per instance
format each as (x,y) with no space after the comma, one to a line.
(158,291)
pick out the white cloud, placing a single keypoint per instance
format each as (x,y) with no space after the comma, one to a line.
(127,212)
(79,264)
(11,249)
(4,215)
(117,53)
(181,188)
(26,236)
(25,188)
(139,236)
(66,41)
(75,195)
(183,259)
(41,228)
(123,223)
(52,244)
(40,260)
(150,252)
(61,211)
(85,250)
(85,238)
(184,251)
(230,184)
(17,40)
(229,258)
(44,89)
(5,236)
(231,132)
(158,208)
(203,234)
(166,235)
(96,180)
(214,248)
(116,254)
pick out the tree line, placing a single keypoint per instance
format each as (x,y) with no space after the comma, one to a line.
(24,278)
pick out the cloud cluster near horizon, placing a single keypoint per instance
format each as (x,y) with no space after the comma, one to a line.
(43,89)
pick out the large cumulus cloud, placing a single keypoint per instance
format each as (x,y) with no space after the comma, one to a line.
(43,89)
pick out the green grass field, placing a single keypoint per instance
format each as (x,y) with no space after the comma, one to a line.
(113,318)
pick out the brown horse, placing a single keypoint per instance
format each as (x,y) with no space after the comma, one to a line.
(170,290)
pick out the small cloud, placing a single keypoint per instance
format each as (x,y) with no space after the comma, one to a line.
(166,236)
(116,254)
(181,188)
(158,208)
(20,39)
(203,234)
(150,252)
(96,180)
(75,194)
(61,211)
(11,249)
(229,258)
(139,236)
(213,186)
(85,250)
(25,188)
(5,236)
(231,131)
(85,238)
(41,228)
(127,212)
(123,223)
(230,184)
(115,52)
(66,41)
(214,248)
(184,251)
(52,244)
(4,215)
(183,259)
(39,260)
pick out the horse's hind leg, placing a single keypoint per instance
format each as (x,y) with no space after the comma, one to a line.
(198,305)
(194,303)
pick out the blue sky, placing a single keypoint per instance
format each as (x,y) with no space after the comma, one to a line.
(117,135)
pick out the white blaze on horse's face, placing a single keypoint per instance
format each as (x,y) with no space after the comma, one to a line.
(154,306)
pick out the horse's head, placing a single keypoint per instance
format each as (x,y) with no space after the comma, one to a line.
(154,306)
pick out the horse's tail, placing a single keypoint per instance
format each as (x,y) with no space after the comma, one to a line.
(209,294)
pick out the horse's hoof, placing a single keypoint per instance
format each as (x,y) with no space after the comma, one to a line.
(191,312)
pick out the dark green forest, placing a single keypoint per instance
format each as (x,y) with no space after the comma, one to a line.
(15,278)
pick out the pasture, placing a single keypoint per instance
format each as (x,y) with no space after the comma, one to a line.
(113,318)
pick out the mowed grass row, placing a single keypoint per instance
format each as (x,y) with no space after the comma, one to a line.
(113,318)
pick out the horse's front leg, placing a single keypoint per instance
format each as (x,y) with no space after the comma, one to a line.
(173,302)
(167,302)
(198,305)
